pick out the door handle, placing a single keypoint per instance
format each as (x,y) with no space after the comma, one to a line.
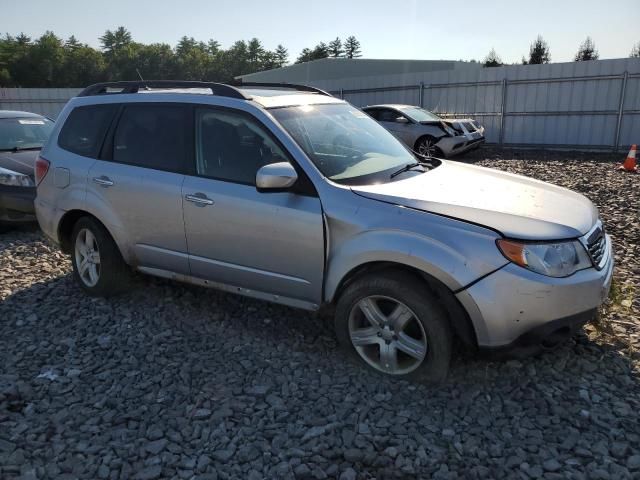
(103,181)
(200,199)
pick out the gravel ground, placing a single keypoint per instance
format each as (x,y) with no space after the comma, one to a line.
(175,381)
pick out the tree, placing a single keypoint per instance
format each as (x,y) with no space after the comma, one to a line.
(587,51)
(539,52)
(305,56)
(117,40)
(635,51)
(492,59)
(352,47)
(282,56)
(335,48)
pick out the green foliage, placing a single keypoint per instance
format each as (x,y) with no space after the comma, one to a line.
(492,59)
(539,52)
(587,51)
(49,61)
(352,47)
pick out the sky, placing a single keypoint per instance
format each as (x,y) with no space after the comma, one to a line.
(403,29)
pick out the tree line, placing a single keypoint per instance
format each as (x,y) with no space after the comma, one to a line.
(540,52)
(50,61)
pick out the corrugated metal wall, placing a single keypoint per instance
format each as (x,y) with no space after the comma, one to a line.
(45,101)
(592,104)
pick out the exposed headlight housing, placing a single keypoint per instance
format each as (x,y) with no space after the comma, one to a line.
(555,259)
(15,179)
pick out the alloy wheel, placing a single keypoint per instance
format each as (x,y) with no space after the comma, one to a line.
(387,335)
(427,148)
(87,257)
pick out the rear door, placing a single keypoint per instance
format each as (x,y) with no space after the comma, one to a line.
(269,242)
(137,183)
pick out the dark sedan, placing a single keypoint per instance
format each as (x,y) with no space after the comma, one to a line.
(22,135)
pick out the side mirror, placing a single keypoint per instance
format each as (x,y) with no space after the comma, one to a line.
(402,120)
(276,177)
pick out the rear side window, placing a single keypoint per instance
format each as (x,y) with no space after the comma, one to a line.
(84,129)
(152,136)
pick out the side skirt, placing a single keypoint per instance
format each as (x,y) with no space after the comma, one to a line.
(269,297)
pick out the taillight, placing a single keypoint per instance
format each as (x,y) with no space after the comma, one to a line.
(41,169)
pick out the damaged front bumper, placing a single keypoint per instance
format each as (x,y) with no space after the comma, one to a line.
(515,307)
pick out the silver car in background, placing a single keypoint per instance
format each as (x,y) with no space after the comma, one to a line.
(425,132)
(287,194)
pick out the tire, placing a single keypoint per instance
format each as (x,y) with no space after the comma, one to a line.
(404,295)
(427,146)
(108,275)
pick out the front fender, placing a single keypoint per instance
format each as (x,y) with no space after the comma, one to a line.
(456,262)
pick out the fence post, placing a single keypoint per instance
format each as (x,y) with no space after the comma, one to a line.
(342,94)
(421,95)
(503,107)
(620,110)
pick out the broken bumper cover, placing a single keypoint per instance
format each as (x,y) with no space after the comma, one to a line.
(515,306)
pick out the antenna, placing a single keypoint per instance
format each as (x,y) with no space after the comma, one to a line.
(138,72)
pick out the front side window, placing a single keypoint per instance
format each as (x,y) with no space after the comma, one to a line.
(232,146)
(346,145)
(24,133)
(84,129)
(152,136)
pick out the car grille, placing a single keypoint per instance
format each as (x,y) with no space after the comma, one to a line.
(596,245)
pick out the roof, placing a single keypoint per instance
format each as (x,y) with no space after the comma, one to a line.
(340,68)
(18,114)
(267,95)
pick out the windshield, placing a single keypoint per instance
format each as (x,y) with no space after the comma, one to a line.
(24,133)
(345,144)
(420,114)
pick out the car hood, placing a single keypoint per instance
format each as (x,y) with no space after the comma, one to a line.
(20,161)
(516,206)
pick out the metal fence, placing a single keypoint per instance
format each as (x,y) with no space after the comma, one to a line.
(587,105)
(45,101)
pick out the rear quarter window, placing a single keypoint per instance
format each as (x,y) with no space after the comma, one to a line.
(84,130)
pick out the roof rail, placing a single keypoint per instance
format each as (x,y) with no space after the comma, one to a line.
(293,86)
(134,86)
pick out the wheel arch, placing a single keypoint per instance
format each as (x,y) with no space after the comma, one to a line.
(456,313)
(65,230)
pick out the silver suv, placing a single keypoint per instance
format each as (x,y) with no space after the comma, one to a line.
(287,194)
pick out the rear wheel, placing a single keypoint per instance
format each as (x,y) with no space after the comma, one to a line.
(426,146)
(393,324)
(97,264)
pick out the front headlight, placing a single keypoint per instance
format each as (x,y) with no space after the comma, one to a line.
(15,179)
(557,259)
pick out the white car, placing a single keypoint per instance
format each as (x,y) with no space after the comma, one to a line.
(425,132)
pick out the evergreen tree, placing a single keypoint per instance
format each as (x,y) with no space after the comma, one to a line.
(492,59)
(352,47)
(335,48)
(539,52)
(587,51)
(282,56)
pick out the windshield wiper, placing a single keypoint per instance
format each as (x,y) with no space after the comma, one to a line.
(19,149)
(406,168)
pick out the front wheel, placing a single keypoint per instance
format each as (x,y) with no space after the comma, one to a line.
(392,323)
(97,264)
(426,147)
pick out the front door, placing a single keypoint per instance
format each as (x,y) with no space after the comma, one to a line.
(265,242)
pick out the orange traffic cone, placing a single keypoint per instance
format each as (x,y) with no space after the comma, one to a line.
(629,164)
